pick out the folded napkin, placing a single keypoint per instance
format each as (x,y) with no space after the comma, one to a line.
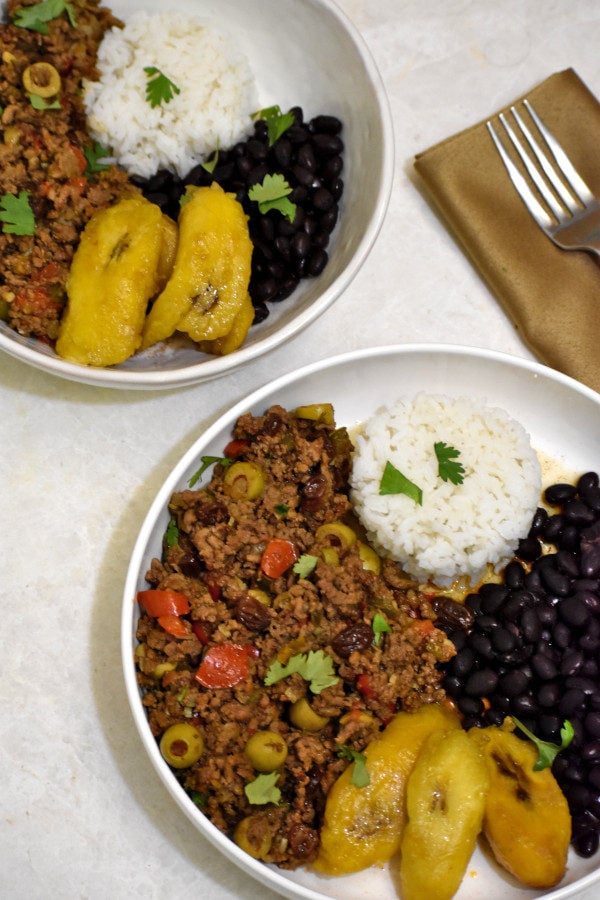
(551,295)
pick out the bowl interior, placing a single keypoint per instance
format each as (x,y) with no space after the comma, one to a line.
(563,420)
(306,53)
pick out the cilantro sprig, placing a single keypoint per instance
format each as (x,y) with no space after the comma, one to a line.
(547,751)
(360,776)
(36,17)
(380,626)
(159,88)
(16,214)
(448,468)
(305,565)
(94,156)
(277,122)
(394,482)
(208,461)
(263,789)
(314,667)
(273,193)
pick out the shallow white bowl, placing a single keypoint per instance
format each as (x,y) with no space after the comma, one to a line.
(303,53)
(563,419)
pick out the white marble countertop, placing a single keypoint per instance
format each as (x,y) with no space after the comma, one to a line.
(83,814)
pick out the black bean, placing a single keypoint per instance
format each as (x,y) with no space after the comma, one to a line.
(524,705)
(481,644)
(571,703)
(571,663)
(549,694)
(574,612)
(531,625)
(514,575)
(492,597)
(326,124)
(503,641)
(529,548)
(586,842)
(592,724)
(558,494)
(513,683)
(327,144)
(592,498)
(539,520)
(463,662)
(543,667)
(553,527)
(590,753)
(578,512)
(481,683)
(470,706)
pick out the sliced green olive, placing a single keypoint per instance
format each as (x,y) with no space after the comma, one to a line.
(256,841)
(331,556)
(260,595)
(303,716)
(182,745)
(161,669)
(243,481)
(336,533)
(41,79)
(266,751)
(316,412)
(370,560)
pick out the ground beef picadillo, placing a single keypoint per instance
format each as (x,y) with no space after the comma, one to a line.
(42,154)
(212,553)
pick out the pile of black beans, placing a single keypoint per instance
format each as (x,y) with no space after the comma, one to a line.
(309,155)
(530,646)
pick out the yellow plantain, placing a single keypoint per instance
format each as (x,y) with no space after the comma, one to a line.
(527,821)
(237,333)
(209,282)
(121,262)
(445,802)
(363,825)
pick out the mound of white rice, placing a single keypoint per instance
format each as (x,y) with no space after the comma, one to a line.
(217,93)
(459,528)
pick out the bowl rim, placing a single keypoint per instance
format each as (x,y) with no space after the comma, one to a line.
(24,349)
(267,875)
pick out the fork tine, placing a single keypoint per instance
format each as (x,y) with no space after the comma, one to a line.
(567,198)
(531,168)
(563,161)
(527,196)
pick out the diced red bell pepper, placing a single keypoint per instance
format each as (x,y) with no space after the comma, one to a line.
(174,625)
(223,666)
(164,603)
(363,685)
(200,632)
(235,448)
(277,557)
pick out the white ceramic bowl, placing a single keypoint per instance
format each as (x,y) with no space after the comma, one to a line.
(563,419)
(302,52)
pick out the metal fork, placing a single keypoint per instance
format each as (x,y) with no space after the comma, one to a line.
(569,213)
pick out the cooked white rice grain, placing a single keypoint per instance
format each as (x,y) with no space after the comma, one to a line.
(459,528)
(217,94)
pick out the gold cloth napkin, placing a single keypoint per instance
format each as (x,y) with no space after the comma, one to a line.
(551,295)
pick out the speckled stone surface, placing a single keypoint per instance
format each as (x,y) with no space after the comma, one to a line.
(83,813)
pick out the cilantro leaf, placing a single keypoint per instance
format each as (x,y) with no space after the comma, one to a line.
(94,155)
(277,122)
(547,751)
(272,194)
(360,776)
(172,534)
(159,88)
(448,469)
(380,626)
(305,565)
(314,667)
(199,798)
(210,164)
(36,17)
(208,461)
(41,103)
(394,482)
(16,214)
(263,789)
